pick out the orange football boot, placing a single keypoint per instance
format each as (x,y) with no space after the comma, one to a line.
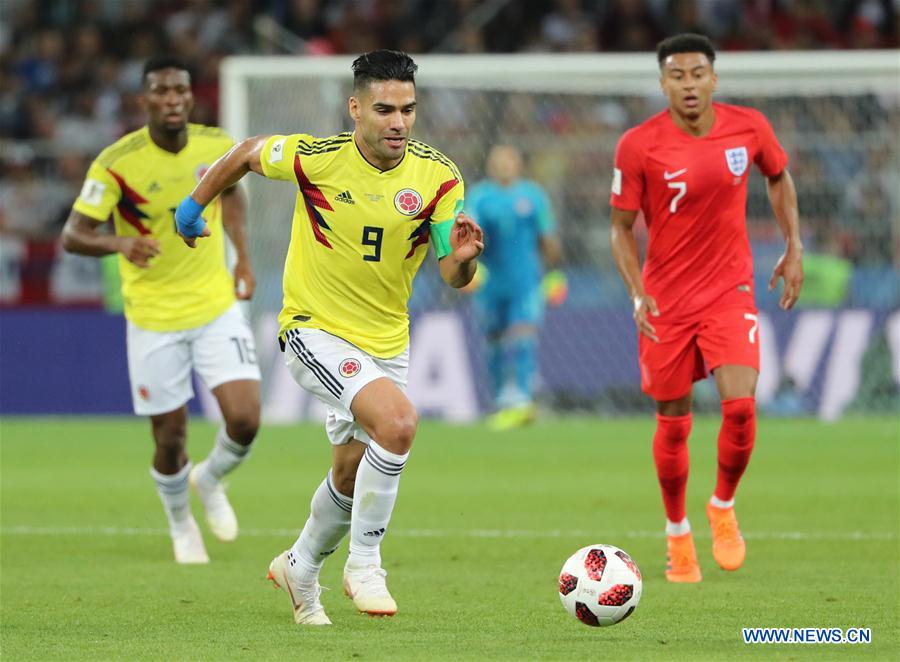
(681,557)
(728,549)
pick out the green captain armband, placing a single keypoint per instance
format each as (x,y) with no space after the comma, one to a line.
(440,233)
(440,238)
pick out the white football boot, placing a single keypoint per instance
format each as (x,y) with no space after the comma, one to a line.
(219,513)
(308,609)
(188,543)
(365,585)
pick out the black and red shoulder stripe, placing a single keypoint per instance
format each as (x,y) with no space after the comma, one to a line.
(313,198)
(128,204)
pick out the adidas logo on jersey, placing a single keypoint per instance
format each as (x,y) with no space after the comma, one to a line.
(345,197)
(377,533)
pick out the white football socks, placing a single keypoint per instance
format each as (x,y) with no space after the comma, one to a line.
(173,492)
(328,523)
(223,458)
(718,503)
(678,528)
(374,495)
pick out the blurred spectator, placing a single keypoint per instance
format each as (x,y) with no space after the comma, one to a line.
(32,204)
(568,27)
(629,25)
(871,23)
(305,18)
(684,16)
(83,130)
(142,44)
(503,33)
(39,67)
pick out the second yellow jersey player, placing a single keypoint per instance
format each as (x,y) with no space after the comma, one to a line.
(359,235)
(183,317)
(138,184)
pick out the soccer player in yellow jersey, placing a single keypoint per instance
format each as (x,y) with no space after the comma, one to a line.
(181,312)
(368,203)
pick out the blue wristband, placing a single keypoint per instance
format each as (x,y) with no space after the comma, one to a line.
(187,218)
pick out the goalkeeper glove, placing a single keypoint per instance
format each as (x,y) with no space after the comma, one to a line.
(555,287)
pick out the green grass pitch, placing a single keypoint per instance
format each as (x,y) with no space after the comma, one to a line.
(482,526)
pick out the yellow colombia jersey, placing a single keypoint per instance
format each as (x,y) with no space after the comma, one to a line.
(359,235)
(139,184)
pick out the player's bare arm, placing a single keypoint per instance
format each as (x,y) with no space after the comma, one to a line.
(466,243)
(234,220)
(783,198)
(625,253)
(223,174)
(81,234)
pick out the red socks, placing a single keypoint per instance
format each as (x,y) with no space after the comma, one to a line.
(736,439)
(670,453)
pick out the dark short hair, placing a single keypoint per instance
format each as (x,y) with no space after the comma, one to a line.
(160,62)
(383,64)
(686,42)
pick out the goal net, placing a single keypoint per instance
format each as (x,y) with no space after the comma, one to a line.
(836,113)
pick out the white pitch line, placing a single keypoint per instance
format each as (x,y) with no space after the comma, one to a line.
(451,533)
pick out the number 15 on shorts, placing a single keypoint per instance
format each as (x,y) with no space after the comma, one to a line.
(245,349)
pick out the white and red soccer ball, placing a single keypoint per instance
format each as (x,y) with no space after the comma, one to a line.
(600,585)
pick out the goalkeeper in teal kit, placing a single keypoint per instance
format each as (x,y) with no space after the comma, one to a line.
(511,285)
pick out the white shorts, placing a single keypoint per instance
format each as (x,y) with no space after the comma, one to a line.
(159,363)
(334,371)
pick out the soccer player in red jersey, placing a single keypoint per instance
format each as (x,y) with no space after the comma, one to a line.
(686,170)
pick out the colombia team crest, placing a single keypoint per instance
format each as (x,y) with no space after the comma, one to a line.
(200,171)
(349,367)
(737,160)
(408,202)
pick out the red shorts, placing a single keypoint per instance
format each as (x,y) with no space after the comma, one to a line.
(724,334)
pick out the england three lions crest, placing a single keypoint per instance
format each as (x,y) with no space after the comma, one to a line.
(737,160)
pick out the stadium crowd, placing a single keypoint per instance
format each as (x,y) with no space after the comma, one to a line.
(70,79)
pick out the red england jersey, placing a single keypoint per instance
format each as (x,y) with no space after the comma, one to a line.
(693,192)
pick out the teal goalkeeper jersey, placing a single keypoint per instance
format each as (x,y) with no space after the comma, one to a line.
(514,218)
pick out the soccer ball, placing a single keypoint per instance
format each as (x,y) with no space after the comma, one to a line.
(600,585)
